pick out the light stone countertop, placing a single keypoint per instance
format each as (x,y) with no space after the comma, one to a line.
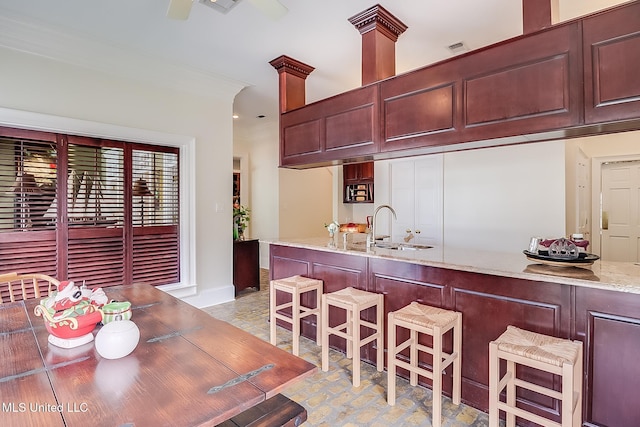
(618,276)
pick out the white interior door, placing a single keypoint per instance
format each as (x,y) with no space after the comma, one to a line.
(619,218)
(583,194)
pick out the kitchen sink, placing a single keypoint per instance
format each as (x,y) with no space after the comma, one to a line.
(401,246)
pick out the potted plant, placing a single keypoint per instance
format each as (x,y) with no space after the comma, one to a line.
(241,219)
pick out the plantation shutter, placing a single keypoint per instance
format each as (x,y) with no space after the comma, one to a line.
(155,216)
(98,212)
(95,212)
(28,165)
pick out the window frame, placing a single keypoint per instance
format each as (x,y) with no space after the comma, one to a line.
(62,141)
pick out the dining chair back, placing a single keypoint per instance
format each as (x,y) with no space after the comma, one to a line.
(15,286)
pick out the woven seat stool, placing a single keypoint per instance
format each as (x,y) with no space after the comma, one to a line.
(354,302)
(557,356)
(423,319)
(295,286)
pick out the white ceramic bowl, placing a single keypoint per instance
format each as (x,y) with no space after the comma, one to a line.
(117,339)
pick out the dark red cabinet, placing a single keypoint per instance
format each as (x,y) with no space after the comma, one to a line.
(527,85)
(489,304)
(337,271)
(358,183)
(572,79)
(246,264)
(612,64)
(609,324)
(358,172)
(606,321)
(522,86)
(343,126)
(422,108)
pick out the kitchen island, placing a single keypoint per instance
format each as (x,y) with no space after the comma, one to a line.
(599,306)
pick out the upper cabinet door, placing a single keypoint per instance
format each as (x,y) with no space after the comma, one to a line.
(340,127)
(356,173)
(358,183)
(523,86)
(612,64)
(419,108)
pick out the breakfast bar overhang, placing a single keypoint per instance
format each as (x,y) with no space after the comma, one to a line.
(599,306)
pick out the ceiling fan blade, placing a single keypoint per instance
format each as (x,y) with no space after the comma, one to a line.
(179,9)
(272,8)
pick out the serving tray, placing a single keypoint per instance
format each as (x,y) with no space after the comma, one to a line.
(588,259)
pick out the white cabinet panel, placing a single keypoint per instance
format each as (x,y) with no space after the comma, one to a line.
(416,196)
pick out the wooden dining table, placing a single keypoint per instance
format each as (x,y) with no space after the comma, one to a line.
(188,369)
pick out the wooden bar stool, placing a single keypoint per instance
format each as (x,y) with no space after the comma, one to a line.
(295,286)
(354,301)
(434,321)
(555,355)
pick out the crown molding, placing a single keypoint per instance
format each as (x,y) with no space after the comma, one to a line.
(380,19)
(36,38)
(285,64)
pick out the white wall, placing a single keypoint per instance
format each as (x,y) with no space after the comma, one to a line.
(617,144)
(262,145)
(569,9)
(283,202)
(306,201)
(75,99)
(497,198)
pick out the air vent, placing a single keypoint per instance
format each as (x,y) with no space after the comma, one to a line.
(457,48)
(222,6)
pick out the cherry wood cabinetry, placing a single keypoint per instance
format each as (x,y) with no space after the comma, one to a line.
(611,63)
(358,172)
(572,79)
(421,108)
(489,304)
(607,322)
(344,126)
(358,182)
(527,85)
(609,325)
(246,264)
(337,271)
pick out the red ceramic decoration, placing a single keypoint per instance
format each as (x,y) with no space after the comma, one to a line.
(70,327)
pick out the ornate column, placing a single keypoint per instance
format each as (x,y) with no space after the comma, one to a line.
(291,77)
(380,31)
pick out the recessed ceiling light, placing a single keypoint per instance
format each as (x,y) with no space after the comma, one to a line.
(235,116)
(261,116)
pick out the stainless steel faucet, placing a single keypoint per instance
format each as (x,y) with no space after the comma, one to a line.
(371,239)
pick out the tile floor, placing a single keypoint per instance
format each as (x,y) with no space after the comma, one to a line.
(329,397)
